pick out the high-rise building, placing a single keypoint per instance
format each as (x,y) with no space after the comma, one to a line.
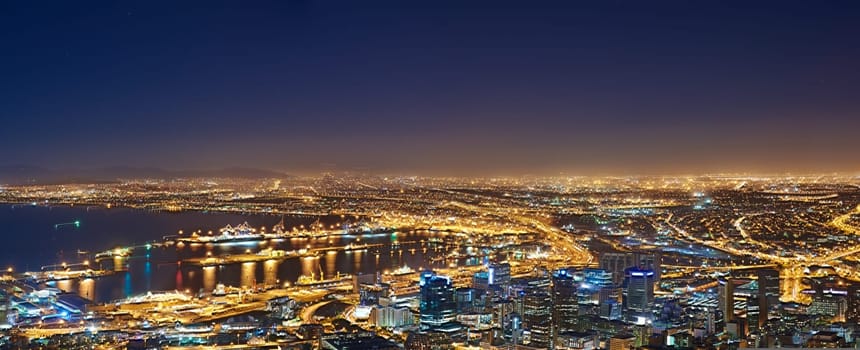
(465,298)
(852,314)
(753,315)
(639,294)
(390,316)
(565,302)
(618,262)
(768,294)
(726,304)
(537,318)
(481,280)
(829,302)
(499,274)
(438,306)
(596,288)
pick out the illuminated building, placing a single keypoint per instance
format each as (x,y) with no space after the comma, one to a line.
(465,299)
(427,341)
(768,294)
(852,313)
(499,274)
(390,316)
(565,302)
(829,302)
(622,342)
(726,293)
(481,280)
(537,318)
(438,306)
(596,288)
(639,294)
(617,263)
(576,341)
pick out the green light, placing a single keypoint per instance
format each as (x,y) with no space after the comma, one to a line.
(77,223)
(148,246)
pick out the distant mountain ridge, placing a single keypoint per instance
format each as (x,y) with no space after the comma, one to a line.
(29,174)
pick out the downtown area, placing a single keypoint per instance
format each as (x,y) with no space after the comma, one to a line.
(349,261)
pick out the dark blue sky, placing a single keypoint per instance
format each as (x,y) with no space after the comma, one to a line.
(435,86)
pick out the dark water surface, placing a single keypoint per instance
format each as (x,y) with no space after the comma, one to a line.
(30,240)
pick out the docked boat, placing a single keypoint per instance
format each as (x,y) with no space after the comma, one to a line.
(227,234)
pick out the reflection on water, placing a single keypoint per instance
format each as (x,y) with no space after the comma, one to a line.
(161,271)
(270,272)
(179,280)
(127,284)
(147,274)
(209,278)
(356,259)
(64,285)
(118,263)
(248,277)
(309,265)
(330,266)
(86,288)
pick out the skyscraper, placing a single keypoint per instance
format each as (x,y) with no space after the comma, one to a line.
(565,302)
(618,262)
(499,274)
(438,306)
(537,318)
(726,291)
(639,294)
(768,293)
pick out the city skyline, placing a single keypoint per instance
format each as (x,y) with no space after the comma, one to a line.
(447,88)
(445,175)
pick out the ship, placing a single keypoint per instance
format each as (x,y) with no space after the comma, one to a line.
(312,282)
(227,234)
(353,246)
(113,253)
(403,270)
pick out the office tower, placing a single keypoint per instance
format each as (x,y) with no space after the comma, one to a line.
(565,302)
(852,314)
(639,294)
(481,280)
(597,288)
(768,282)
(438,305)
(753,315)
(726,291)
(537,318)
(465,298)
(829,302)
(617,263)
(499,274)
(768,293)
(515,328)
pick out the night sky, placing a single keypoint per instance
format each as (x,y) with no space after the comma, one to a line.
(433,87)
